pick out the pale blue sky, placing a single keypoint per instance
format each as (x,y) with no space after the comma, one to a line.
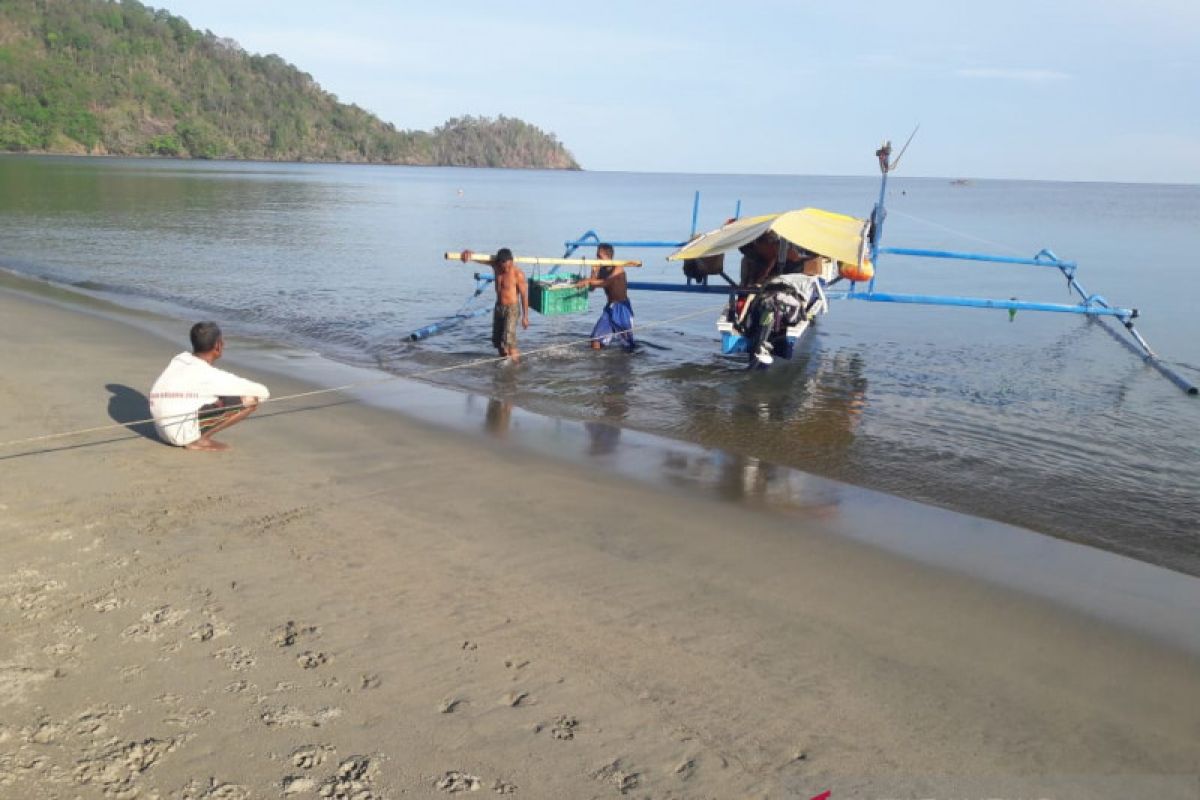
(1056,90)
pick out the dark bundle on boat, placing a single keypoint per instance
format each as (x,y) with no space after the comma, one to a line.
(699,269)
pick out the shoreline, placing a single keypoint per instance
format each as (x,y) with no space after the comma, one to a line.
(354,600)
(1084,521)
(1140,596)
(151,157)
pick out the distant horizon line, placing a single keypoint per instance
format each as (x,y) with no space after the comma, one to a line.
(732,174)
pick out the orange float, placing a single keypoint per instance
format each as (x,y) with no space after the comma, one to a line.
(856,272)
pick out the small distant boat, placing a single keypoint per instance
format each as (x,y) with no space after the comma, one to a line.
(960,182)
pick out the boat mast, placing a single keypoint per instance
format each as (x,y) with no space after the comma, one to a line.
(879,213)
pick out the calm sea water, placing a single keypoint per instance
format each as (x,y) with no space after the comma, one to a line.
(1046,421)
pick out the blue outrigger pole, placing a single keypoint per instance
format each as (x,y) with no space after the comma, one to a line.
(1091,305)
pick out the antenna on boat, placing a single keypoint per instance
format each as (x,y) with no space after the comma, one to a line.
(886,165)
(904,149)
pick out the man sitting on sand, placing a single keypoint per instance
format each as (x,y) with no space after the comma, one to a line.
(192,400)
(512,301)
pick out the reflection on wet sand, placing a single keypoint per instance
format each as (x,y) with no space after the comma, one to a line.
(810,410)
(804,415)
(612,401)
(806,412)
(753,482)
(497,419)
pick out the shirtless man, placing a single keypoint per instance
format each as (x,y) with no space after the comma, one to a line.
(512,301)
(616,320)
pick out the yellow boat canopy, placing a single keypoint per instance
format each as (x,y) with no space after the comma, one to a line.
(825,233)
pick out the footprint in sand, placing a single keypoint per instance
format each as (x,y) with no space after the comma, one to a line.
(190,718)
(297,784)
(564,728)
(28,593)
(514,699)
(46,732)
(448,705)
(685,768)
(352,780)
(310,755)
(131,671)
(289,633)
(94,721)
(64,651)
(369,681)
(292,717)
(236,658)
(207,631)
(153,624)
(116,766)
(455,781)
(19,766)
(311,660)
(280,519)
(213,789)
(614,772)
(110,603)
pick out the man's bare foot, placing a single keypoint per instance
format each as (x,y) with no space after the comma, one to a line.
(211,445)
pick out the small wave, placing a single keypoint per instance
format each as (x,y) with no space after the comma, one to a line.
(97,286)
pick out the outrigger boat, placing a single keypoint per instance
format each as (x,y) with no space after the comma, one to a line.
(849,249)
(768,318)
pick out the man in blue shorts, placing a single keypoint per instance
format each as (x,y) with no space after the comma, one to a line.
(616,321)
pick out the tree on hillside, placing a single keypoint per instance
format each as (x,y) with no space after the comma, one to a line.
(109,76)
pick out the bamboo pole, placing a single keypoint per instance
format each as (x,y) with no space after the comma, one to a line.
(484,258)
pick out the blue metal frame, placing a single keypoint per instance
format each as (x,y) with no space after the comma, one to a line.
(1122,314)
(591,238)
(463,314)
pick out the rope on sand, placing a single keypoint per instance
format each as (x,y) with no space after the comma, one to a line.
(359,384)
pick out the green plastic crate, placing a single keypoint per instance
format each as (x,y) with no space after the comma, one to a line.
(554,295)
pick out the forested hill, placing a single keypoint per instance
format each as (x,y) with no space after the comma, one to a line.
(120,78)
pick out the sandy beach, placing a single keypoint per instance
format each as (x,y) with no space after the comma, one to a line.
(353,604)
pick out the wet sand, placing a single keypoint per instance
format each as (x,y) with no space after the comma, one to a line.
(351,603)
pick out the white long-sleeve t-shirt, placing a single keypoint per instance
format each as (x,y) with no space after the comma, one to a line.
(184,386)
